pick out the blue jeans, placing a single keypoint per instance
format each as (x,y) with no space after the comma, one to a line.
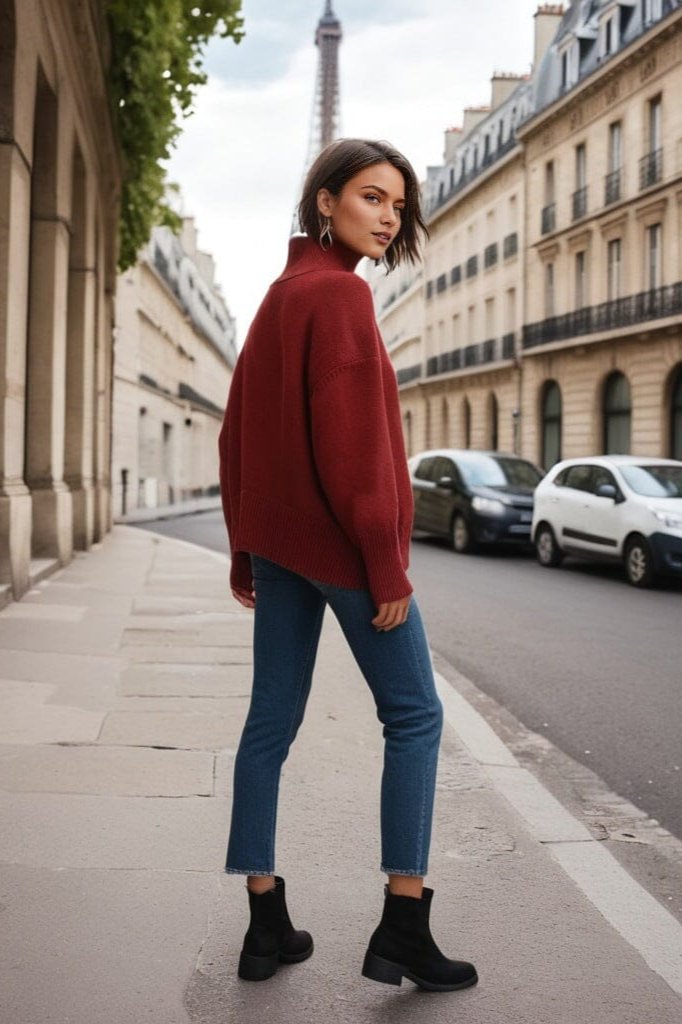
(397,666)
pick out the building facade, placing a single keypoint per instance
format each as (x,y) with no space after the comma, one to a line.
(552,302)
(59,201)
(175,349)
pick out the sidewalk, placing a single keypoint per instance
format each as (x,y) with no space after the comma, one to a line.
(124,682)
(179,508)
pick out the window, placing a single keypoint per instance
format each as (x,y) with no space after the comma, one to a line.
(424,470)
(615,146)
(551,424)
(615,158)
(471,324)
(455,330)
(549,290)
(676,418)
(651,11)
(511,309)
(655,110)
(614,264)
(580,279)
(653,271)
(609,36)
(549,182)
(578,477)
(466,422)
(565,77)
(490,318)
(617,415)
(580,166)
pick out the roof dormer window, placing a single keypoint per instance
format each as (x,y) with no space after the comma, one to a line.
(569,56)
(651,11)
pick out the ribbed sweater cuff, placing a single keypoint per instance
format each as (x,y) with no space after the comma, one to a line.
(384,567)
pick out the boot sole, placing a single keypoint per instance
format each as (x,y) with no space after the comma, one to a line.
(259,968)
(377,969)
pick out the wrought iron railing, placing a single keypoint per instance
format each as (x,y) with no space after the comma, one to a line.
(472,266)
(651,168)
(490,255)
(548,219)
(409,373)
(654,304)
(612,187)
(580,202)
(510,246)
(456,274)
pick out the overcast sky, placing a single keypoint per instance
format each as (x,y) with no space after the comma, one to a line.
(407,71)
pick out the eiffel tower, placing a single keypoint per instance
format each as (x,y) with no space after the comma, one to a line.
(325,121)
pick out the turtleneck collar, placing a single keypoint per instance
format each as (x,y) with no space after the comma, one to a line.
(306,255)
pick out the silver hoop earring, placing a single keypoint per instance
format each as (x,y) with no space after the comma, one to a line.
(326,240)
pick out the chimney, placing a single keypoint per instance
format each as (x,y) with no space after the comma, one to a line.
(547,19)
(472,117)
(453,137)
(503,84)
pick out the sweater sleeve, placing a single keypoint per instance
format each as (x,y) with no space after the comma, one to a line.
(228,441)
(352,446)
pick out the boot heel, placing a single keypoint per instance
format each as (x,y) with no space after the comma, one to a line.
(378,969)
(257,968)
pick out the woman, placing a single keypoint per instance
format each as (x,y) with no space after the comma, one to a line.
(318,506)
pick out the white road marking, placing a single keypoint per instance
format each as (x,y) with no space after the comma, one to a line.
(635,914)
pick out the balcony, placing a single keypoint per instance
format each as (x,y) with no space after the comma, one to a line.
(510,246)
(471,355)
(651,168)
(654,304)
(612,187)
(580,203)
(548,218)
(490,255)
(472,266)
(409,373)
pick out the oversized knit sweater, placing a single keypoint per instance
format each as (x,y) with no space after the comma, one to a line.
(313,470)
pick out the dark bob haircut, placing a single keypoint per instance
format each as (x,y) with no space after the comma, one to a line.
(341,161)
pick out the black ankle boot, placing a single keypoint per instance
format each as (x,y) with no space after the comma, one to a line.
(271,938)
(402,947)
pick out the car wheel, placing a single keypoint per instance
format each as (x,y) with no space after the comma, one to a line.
(462,541)
(547,550)
(639,564)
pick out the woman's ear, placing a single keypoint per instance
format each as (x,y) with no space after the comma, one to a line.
(324,202)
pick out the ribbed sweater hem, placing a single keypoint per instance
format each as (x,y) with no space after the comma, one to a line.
(313,547)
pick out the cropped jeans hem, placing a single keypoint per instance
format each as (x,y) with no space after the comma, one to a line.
(245,871)
(402,871)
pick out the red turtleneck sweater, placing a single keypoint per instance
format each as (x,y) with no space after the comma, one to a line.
(313,470)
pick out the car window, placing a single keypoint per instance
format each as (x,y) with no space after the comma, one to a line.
(441,467)
(499,471)
(560,478)
(579,478)
(425,467)
(600,475)
(664,481)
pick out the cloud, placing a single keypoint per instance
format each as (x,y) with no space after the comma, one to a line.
(404,77)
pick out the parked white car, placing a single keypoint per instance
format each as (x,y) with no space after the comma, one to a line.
(612,507)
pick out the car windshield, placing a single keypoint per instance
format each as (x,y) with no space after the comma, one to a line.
(498,471)
(654,481)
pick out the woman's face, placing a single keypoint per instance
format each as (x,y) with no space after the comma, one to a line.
(366,214)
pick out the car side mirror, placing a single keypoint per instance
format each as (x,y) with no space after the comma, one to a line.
(607,491)
(446,482)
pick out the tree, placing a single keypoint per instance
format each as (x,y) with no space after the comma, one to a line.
(157,49)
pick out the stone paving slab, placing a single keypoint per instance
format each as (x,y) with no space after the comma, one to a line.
(188,731)
(27,717)
(186,680)
(107,771)
(116,833)
(97,946)
(159,654)
(94,635)
(173,604)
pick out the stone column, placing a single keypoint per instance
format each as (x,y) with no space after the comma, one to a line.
(15,499)
(46,377)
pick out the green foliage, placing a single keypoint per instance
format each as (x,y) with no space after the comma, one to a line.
(156,67)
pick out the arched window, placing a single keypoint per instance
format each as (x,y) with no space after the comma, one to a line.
(551,424)
(617,415)
(676,416)
(466,423)
(493,421)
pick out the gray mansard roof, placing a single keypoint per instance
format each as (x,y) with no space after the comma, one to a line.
(579,37)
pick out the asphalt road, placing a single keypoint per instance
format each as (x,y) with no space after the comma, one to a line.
(575,653)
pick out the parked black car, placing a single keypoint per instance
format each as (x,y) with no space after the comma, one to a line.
(473,497)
